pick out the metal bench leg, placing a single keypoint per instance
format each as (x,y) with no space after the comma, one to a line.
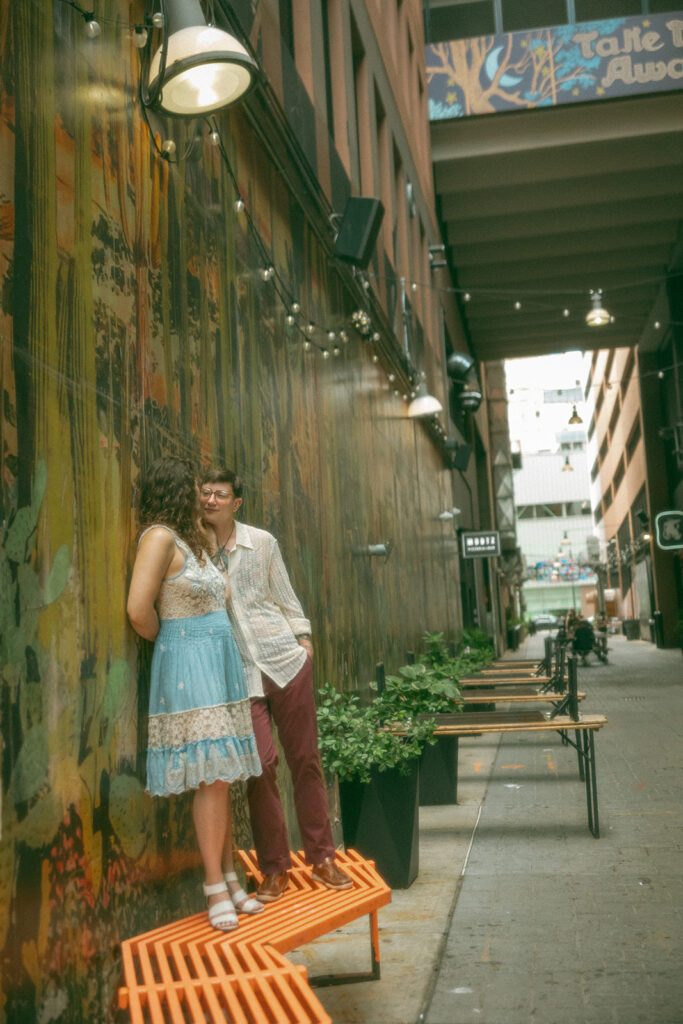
(591,782)
(323,980)
(582,773)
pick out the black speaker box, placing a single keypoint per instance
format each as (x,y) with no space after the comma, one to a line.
(358,230)
(461,456)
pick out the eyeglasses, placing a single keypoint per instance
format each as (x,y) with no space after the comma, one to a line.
(220,495)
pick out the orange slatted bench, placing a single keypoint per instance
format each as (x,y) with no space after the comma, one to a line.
(188,972)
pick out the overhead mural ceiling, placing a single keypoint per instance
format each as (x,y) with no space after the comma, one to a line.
(559,171)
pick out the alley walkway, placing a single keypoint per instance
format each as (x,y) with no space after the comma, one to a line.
(520,916)
(552,926)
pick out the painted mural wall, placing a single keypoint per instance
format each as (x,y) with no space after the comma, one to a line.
(134,321)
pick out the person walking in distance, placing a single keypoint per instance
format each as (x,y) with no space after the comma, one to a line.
(273,637)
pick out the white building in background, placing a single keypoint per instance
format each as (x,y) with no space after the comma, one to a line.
(554,521)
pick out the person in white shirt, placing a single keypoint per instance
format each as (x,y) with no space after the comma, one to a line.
(273,637)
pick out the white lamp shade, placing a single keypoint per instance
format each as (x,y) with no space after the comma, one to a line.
(598,315)
(424,405)
(206,69)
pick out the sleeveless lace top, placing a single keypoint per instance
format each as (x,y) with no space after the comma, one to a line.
(197,589)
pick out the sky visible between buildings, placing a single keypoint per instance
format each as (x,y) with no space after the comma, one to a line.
(541,392)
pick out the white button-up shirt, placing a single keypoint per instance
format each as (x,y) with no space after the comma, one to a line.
(265,612)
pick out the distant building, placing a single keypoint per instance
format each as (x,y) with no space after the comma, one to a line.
(634,476)
(552,504)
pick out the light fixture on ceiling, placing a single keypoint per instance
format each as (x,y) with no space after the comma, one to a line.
(424,404)
(565,539)
(567,467)
(574,418)
(597,315)
(198,68)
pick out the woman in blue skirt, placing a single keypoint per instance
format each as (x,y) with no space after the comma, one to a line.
(200,730)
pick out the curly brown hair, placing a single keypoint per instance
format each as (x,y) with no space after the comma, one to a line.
(168,497)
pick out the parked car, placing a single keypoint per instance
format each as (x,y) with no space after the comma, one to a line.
(544,621)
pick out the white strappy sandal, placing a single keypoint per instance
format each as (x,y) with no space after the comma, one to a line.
(222,915)
(243,904)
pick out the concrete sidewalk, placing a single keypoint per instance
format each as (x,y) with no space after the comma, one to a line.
(552,925)
(519,915)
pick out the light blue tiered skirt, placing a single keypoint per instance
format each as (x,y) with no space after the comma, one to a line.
(200,727)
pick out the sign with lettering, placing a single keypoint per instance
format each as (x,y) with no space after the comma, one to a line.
(669,530)
(592,60)
(481,543)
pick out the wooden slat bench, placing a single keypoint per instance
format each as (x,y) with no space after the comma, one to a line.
(564,718)
(189,972)
(477,723)
(513,694)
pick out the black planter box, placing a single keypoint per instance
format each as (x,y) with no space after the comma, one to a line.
(439,772)
(380,819)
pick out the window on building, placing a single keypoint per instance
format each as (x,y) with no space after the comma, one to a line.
(595,470)
(607,499)
(459,21)
(521,14)
(286,24)
(328,68)
(618,474)
(633,438)
(596,10)
(628,371)
(600,399)
(597,512)
(525,511)
(614,418)
(591,427)
(603,450)
(549,511)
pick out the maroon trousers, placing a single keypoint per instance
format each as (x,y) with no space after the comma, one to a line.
(292,710)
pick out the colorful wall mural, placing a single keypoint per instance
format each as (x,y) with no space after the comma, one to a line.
(134,321)
(563,64)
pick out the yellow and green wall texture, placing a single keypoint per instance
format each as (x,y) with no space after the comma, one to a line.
(134,321)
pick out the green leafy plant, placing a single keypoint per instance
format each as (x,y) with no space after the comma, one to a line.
(354,738)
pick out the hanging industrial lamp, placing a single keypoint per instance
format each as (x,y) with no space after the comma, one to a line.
(574,418)
(424,404)
(567,467)
(597,315)
(198,68)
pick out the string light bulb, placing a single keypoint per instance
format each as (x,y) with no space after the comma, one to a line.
(239,205)
(296,308)
(92,27)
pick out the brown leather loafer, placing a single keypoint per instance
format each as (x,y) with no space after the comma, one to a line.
(329,875)
(272,887)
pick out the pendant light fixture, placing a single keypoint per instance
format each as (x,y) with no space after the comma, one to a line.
(597,315)
(574,419)
(567,467)
(198,68)
(424,404)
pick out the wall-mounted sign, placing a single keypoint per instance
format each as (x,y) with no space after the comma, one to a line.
(593,60)
(481,543)
(669,530)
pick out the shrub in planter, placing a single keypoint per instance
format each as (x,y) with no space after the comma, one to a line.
(378,778)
